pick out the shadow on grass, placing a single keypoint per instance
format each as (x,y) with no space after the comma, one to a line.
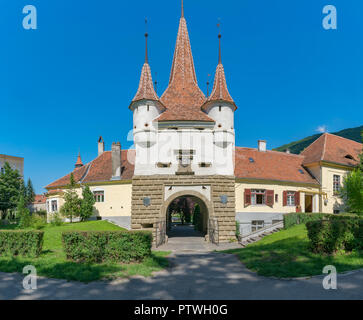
(51,267)
(291,257)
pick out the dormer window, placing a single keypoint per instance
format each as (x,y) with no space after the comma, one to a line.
(348,156)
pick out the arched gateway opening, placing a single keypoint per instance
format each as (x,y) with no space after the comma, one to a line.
(186,215)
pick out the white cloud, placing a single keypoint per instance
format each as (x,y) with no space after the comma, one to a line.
(321,129)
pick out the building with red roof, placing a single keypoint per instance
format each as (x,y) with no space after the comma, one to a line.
(184,146)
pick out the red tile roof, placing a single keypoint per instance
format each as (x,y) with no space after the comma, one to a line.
(335,149)
(99,169)
(146,86)
(270,165)
(183,98)
(79,161)
(39,198)
(220,90)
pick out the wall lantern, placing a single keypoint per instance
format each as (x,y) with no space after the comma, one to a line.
(146,201)
(326,202)
(224,199)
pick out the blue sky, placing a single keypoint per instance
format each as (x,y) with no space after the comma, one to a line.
(71,80)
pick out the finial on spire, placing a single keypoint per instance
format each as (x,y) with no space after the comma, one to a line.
(219,37)
(146,35)
(182,8)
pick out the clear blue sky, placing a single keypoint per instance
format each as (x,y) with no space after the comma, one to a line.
(72,79)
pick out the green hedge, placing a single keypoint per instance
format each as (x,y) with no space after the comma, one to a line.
(102,246)
(20,242)
(330,236)
(294,218)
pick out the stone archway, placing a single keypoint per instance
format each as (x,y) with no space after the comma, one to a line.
(206,209)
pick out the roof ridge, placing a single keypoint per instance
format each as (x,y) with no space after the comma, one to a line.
(335,135)
(324,146)
(322,135)
(274,151)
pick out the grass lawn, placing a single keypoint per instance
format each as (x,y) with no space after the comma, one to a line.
(286,254)
(52,262)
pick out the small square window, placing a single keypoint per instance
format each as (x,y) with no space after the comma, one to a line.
(257,225)
(99,196)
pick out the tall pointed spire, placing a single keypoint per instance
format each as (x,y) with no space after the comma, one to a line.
(220,90)
(146,86)
(79,162)
(183,94)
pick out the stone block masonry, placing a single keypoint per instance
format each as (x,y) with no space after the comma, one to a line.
(153,187)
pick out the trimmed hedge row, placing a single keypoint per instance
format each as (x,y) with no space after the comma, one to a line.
(20,242)
(294,218)
(330,236)
(101,246)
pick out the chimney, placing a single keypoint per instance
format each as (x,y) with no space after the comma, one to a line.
(262,145)
(288,151)
(101,146)
(116,161)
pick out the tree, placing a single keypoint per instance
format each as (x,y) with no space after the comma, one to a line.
(23,213)
(87,203)
(30,194)
(361,155)
(10,185)
(72,203)
(352,191)
(197,219)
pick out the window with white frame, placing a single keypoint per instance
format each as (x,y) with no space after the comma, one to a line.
(258,197)
(290,198)
(257,225)
(99,195)
(54,205)
(336,183)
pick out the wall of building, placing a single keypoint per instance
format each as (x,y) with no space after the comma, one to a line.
(155,189)
(15,163)
(278,189)
(334,202)
(117,200)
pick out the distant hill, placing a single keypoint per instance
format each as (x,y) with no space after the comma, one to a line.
(298,146)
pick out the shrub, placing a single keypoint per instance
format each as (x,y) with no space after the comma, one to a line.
(102,246)
(20,242)
(38,222)
(330,236)
(237,229)
(291,219)
(56,219)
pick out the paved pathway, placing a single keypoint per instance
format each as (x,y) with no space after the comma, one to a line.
(195,273)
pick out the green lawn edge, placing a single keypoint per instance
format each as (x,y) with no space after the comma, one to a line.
(286,254)
(52,262)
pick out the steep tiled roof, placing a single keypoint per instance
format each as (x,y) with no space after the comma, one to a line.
(99,169)
(183,98)
(220,90)
(146,86)
(332,148)
(270,165)
(79,161)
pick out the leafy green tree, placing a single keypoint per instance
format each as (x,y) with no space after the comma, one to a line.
(72,203)
(361,156)
(25,219)
(87,203)
(352,191)
(10,184)
(197,218)
(30,194)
